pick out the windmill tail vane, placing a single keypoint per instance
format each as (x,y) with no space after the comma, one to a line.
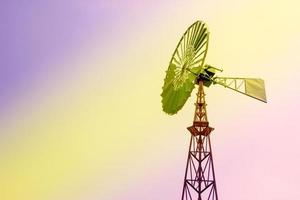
(252,87)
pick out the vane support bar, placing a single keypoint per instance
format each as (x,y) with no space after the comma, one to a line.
(252,87)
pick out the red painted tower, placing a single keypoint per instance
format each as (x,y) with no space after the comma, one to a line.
(199,180)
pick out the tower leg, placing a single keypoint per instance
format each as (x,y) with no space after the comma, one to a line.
(199,181)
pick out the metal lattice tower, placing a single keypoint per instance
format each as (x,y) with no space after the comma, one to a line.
(199,181)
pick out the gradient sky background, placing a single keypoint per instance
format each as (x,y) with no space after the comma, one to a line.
(80,111)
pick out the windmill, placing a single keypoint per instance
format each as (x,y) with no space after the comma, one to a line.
(186,69)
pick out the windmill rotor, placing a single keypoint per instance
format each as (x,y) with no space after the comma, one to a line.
(184,67)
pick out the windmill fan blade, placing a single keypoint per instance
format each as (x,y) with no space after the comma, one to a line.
(185,66)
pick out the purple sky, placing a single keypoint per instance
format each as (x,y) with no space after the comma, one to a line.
(36,36)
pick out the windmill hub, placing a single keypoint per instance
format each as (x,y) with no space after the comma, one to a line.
(179,80)
(181,75)
(190,53)
(183,69)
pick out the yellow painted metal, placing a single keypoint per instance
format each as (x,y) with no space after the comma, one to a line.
(255,88)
